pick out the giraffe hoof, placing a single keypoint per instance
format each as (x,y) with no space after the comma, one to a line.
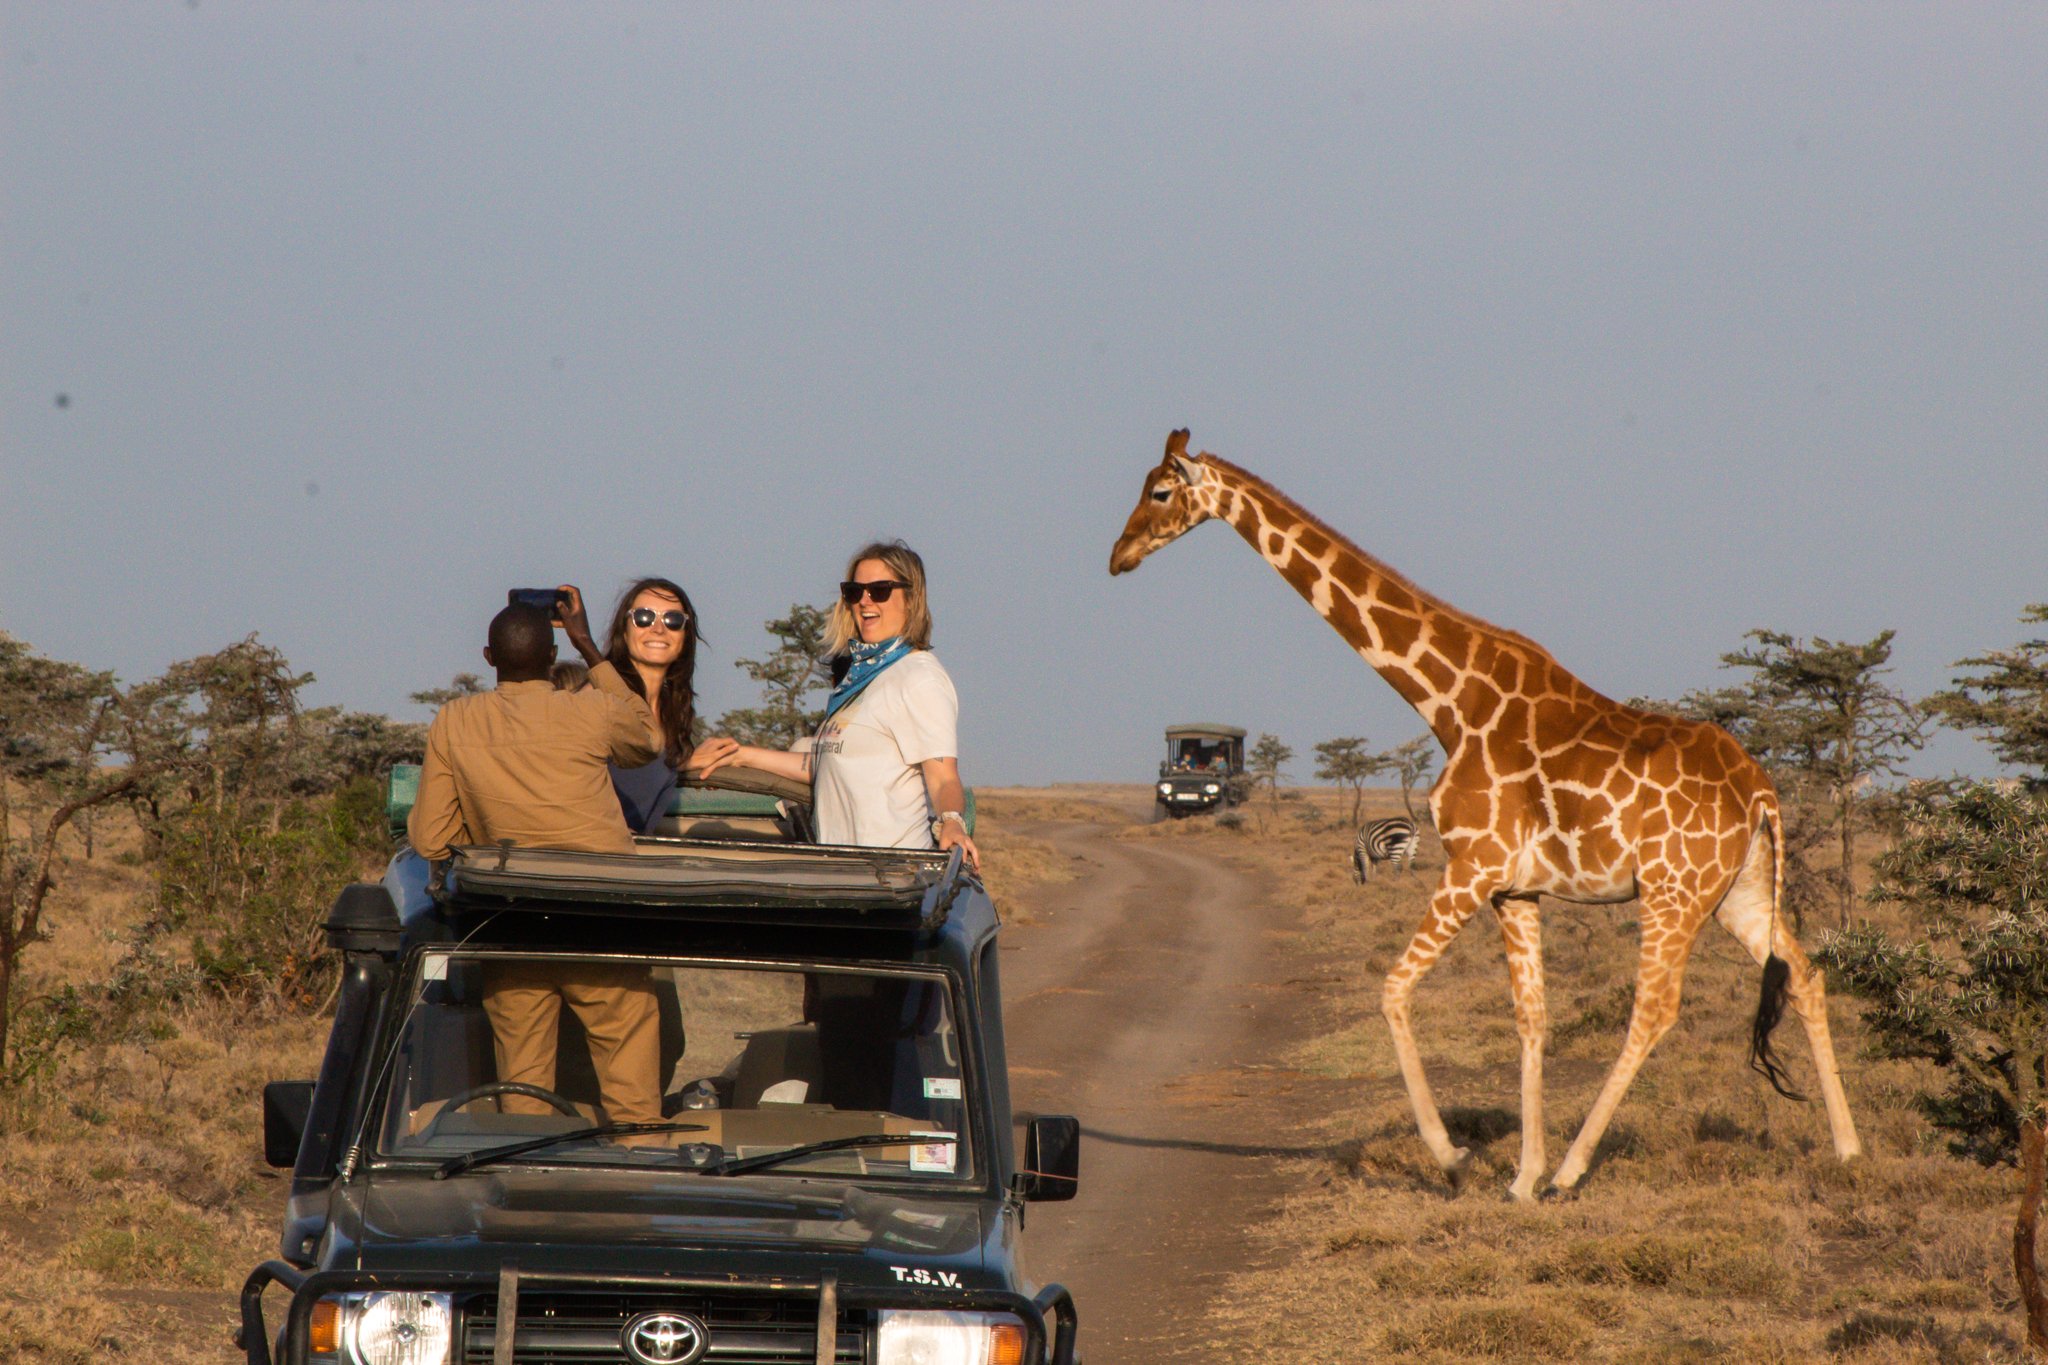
(1459,1172)
(1557,1194)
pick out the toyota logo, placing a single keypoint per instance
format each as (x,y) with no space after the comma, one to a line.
(664,1338)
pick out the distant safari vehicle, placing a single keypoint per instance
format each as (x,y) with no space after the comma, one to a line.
(1204,768)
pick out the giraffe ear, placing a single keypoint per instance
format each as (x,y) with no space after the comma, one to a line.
(1190,471)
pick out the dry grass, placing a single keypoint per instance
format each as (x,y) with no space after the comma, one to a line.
(133,1194)
(1716,1224)
(1014,863)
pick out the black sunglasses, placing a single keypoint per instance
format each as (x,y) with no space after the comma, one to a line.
(880,589)
(644,617)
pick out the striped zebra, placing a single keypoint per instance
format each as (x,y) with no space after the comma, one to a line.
(1391,840)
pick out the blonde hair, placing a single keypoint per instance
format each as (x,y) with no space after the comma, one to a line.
(905,567)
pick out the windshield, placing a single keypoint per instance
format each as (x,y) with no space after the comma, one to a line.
(737,1061)
(1200,755)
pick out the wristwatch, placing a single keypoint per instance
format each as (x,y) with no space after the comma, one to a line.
(939,822)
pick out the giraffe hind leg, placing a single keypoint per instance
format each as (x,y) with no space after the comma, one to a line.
(1660,967)
(1746,912)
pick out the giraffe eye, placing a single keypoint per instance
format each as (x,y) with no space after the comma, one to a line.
(1161,494)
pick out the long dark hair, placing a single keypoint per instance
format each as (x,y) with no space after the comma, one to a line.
(678,700)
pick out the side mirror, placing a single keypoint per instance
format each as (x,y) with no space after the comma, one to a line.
(1052,1159)
(285,1107)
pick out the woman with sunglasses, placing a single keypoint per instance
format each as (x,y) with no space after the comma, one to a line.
(651,651)
(884,766)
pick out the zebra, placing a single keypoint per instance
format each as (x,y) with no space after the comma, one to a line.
(1391,840)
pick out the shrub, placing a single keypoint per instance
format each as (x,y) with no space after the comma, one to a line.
(250,882)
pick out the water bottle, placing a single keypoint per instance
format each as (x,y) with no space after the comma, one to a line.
(700,1096)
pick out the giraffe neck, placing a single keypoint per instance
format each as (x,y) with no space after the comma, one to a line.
(1423,647)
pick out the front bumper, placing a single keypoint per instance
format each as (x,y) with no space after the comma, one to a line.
(1049,1318)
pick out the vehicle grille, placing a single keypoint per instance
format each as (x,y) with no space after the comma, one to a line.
(566,1327)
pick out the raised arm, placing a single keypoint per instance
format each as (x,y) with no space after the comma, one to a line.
(575,624)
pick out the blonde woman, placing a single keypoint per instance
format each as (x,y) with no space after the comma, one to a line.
(884,766)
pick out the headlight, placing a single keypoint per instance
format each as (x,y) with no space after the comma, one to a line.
(929,1338)
(1212,789)
(388,1328)
(1165,788)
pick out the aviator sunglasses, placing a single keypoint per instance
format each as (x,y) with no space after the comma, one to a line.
(645,617)
(880,589)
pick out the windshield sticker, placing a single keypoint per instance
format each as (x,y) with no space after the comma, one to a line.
(942,1087)
(908,1274)
(434,967)
(934,1153)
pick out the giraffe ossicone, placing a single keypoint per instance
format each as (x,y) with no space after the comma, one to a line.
(1548,789)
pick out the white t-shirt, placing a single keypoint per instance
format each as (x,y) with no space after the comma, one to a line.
(867,788)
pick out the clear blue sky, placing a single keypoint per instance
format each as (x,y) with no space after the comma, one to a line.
(1631,327)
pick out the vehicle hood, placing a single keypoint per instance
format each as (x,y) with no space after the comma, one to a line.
(648,1221)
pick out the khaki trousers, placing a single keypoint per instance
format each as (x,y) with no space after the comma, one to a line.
(617,1009)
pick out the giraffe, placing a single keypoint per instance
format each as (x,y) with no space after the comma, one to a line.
(1548,789)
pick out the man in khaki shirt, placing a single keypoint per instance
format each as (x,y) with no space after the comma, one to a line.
(527,763)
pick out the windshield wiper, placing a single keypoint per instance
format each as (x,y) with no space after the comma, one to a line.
(755,1163)
(457,1165)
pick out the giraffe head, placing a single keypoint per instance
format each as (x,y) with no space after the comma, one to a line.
(1179,494)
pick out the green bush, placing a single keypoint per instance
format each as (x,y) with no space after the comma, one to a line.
(251,882)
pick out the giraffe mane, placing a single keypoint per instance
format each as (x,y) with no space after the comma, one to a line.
(1385,570)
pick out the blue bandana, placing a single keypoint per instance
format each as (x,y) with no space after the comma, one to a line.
(868,663)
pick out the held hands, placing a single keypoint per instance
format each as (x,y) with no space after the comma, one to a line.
(714,753)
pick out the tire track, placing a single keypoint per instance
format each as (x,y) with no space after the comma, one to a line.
(1147,998)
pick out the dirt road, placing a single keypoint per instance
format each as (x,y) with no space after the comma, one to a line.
(1150,998)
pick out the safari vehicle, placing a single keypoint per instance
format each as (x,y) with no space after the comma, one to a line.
(835,1179)
(1204,768)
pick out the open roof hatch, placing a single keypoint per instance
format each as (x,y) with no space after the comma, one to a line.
(773,883)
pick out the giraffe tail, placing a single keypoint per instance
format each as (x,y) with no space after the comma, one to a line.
(1770,1008)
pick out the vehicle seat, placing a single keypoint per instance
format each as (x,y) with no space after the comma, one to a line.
(775,1055)
(461,1051)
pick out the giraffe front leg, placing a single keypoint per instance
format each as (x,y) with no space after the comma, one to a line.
(1521,931)
(1449,909)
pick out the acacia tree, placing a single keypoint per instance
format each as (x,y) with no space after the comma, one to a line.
(1268,762)
(1346,763)
(461,685)
(1410,763)
(55,719)
(795,669)
(1972,998)
(2007,699)
(1824,702)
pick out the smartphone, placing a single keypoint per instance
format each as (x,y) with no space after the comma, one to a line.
(553,601)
